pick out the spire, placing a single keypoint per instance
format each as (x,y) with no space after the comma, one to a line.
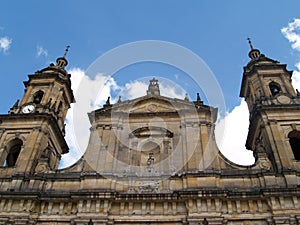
(62,61)
(254,53)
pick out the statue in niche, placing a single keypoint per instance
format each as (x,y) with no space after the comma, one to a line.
(150,161)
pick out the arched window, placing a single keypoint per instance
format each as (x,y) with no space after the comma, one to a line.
(37,97)
(274,88)
(294,139)
(14,148)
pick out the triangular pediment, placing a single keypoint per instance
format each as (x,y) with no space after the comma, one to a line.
(153,105)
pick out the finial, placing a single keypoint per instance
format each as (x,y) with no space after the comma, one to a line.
(120,99)
(250,43)
(108,101)
(66,51)
(198,97)
(199,102)
(186,98)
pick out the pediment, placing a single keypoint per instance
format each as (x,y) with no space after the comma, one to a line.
(153,105)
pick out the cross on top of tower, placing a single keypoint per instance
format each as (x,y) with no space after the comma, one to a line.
(250,43)
(66,51)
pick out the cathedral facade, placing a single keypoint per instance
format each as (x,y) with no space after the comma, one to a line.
(152,160)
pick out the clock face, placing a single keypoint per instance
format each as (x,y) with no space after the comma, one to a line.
(28,109)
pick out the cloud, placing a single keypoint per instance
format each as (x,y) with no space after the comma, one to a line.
(5,43)
(171,89)
(134,89)
(40,51)
(90,94)
(231,135)
(296,79)
(290,32)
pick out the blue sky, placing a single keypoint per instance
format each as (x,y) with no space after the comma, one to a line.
(215,30)
(38,32)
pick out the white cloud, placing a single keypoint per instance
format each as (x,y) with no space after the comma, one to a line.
(5,43)
(291,32)
(40,51)
(296,80)
(172,90)
(134,89)
(89,94)
(231,134)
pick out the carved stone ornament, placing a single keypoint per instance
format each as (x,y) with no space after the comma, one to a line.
(283,99)
(42,167)
(263,163)
(150,186)
(152,108)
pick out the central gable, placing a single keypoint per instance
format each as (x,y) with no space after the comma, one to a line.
(153,105)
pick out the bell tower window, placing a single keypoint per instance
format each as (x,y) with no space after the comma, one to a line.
(274,88)
(14,148)
(37,97)
(294,139)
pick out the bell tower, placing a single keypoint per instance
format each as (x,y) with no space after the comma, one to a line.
(32,133)
(274,130)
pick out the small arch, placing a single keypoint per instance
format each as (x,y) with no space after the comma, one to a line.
(274,88)
(38,96)
(13,150)
(151,146)
(294,139)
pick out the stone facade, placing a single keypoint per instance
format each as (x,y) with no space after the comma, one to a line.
(151,160)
